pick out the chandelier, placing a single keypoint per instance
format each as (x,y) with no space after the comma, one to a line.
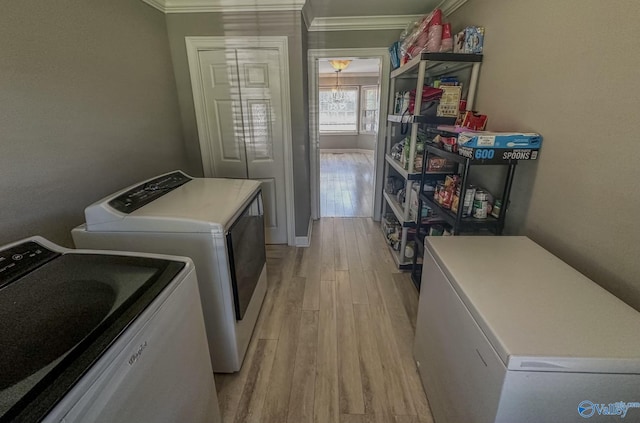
(337,94)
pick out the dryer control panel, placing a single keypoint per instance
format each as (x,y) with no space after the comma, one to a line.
(145,193)
(21,259)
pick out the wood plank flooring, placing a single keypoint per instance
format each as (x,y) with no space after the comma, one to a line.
(334,338)
(346,184)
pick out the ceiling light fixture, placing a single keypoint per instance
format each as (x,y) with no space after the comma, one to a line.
(339,65)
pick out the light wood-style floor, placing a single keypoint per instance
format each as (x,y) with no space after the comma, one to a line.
(346,184)
(334,339)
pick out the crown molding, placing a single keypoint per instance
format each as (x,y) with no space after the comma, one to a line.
(337,23)
(156,4)
(450,6)
(361,23)
(218,6)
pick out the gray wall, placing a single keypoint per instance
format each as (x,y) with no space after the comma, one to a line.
(357,141)
(573,77)
(352,39)
(88,106)
(289,24)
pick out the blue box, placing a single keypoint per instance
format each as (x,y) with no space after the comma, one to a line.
(507,140)
(473,39)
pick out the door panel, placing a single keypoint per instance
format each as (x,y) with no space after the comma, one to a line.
(260,138)
(224,113)
(269,199)
(226,138)
(260,87)
(246,126)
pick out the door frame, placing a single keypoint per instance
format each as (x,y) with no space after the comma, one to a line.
(313,55)
(194,46)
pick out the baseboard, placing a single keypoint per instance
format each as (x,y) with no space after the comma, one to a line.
(345,150)
(305,241)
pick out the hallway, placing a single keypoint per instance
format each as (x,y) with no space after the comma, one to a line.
(334,338)
(346,184)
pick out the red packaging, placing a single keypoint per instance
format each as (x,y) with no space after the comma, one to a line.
(436,19)
(449,144)
(446,31)
(428,94)
(474,121)
(447,197)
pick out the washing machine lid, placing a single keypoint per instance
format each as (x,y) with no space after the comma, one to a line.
(173,202)
(59,311)
(539,313)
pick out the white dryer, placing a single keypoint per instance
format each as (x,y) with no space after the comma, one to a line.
(219,223)
(96,336)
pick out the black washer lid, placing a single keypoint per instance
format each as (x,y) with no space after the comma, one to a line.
(56,320)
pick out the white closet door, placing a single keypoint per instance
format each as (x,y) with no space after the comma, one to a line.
(260,89)
(246,124)
(224,120)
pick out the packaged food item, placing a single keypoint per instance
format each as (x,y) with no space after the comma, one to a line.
(500,140)
(413,202)
(409,251)
(396,151)
(429,94)
(436,193)
(458,42)
(480,204)
(439,164)
(451,181)
(434,35)
(469,195)
(449,144)
(436,230)
(447,197)
(447,39)
(450,101)
(455,203)
(394,53)
(474,121)
(496,209)
(474,39)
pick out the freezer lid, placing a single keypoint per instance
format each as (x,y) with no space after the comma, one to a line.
(539,313)
(198,205)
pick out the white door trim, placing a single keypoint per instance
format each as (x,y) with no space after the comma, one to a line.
(196,44)
(312,56)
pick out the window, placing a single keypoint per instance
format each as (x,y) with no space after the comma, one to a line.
(369,110)
(339,116)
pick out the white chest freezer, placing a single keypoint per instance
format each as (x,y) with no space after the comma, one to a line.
(508,333)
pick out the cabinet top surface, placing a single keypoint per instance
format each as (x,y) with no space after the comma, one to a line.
(538,312)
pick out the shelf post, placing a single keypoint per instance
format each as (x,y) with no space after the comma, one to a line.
(416,111)
(387,141)
(505,197)
(473,85)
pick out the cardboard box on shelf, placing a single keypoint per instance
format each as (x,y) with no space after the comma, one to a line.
(510,140)
(498,155)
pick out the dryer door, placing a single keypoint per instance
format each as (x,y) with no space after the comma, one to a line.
(247,255)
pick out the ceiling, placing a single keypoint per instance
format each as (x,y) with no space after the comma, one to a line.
(323,15)
(357,66)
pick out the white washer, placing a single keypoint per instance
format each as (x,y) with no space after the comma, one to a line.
(219,223)
(95,336)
